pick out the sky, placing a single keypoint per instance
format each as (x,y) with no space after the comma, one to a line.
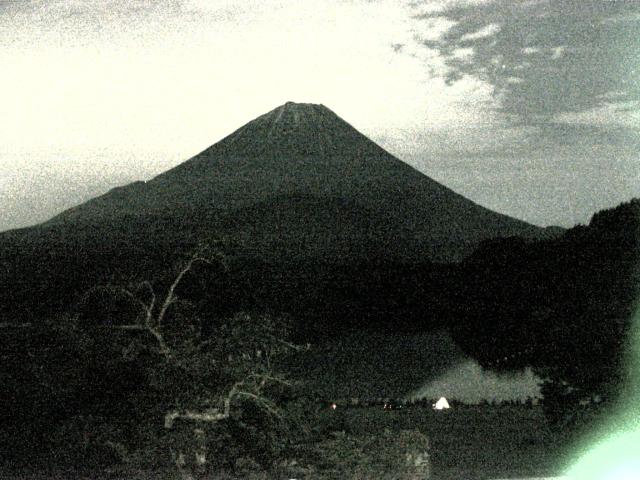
(530,108)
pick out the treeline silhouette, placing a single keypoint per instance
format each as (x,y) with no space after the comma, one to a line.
(563,306)
(556,302)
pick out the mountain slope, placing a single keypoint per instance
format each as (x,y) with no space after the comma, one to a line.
(305,154)
(297,184)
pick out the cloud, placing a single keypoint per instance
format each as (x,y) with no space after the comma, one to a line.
(430,7)
(568,56)
(484,32)
(434,28)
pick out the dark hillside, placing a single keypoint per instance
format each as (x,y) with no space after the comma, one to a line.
(297,185)
(564,306)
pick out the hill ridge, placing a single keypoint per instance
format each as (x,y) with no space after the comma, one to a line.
(297,188)
(305,154)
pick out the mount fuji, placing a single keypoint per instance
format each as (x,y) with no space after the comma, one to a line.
(297,184)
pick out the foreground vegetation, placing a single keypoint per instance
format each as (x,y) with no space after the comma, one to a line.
(465,442)
(147,375)
(162,396)
(159,390)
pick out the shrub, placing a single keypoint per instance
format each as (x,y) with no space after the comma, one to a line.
(390,455)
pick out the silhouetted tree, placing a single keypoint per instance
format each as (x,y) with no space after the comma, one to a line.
(203,380)
(562,306)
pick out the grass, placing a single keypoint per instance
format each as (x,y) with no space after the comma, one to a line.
(474,443)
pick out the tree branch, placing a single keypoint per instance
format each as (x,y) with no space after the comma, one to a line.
(152,303)
(170,298)
(212,415)
(265,377)
(151,324)
(127,293)
(208,415)
(264,402)
(215,415)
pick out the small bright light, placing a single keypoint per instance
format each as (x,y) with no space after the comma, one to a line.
(441,404)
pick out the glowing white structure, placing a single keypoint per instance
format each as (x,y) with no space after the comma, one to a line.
(441,404)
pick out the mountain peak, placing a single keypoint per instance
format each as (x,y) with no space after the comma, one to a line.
(306,129)
(299,180)
(301,109)
(293,112)
(300,105)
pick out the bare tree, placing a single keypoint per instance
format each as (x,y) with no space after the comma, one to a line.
(243,358)
(154,312)
(204,380)
(251,389)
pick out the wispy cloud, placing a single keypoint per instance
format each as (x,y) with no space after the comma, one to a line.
(569,56)
(484,32)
